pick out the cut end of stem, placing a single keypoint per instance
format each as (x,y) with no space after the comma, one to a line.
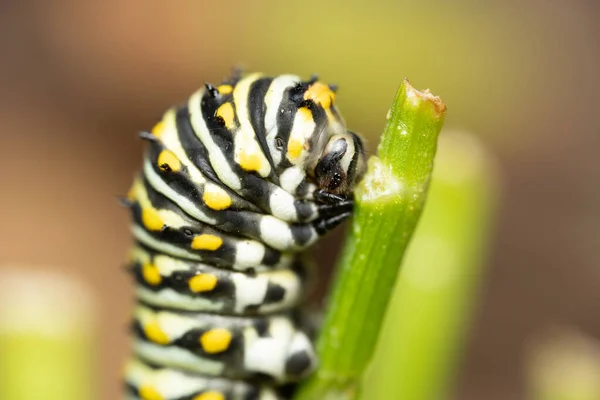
(419,98)
(410,137)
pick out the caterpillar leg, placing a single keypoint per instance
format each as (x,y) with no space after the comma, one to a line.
(325,225)
(336,208)
(329,198)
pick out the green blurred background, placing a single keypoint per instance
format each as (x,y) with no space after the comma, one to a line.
(79,79)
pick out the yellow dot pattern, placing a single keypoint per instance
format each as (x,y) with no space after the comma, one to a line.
(151,274)
(212,395)
(305,113)
(155,333)
(294,149)
(147,392)
(131,194)
(168,161)
(225,89)
(215,340)
(250,161)
(320,94)
(151,219)
(158,129)
(216,198)
(225,111)
(203,283)
(206,242)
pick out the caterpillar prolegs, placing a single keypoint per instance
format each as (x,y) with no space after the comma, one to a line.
(235,184)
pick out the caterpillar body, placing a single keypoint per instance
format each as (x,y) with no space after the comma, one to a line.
(235,184)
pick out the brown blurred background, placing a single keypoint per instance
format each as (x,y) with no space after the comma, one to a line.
(79,79)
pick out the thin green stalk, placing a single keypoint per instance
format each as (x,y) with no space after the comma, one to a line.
(419,348)
(388,205)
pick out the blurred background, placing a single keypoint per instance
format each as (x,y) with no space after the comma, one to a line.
(80,79)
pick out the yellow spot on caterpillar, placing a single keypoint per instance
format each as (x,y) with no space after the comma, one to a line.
(131,193)
(147,392)
(225,89)
(158,129)
(320,94)
(135,190)
(151,219)
(155,334)
(212,395)
(206,242)
(216,198)
(305,113)
(227,114)
(294,149)
(167,161)
(203,283)
(250,161)
(151,274)
(216,340)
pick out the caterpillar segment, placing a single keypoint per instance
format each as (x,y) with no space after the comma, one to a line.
(163,281)
(236,183)
(269,347)
(151,382)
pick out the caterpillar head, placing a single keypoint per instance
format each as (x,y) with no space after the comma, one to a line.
(341,165)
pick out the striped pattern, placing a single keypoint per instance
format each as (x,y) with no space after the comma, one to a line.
(235,184)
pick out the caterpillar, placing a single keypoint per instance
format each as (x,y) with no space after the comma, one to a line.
(236,183)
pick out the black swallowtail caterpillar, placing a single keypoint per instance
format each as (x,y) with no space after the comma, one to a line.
(235,184)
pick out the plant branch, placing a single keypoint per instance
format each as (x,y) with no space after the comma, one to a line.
(388,203)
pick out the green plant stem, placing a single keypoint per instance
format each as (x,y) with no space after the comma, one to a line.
(417,353)
(388,205)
